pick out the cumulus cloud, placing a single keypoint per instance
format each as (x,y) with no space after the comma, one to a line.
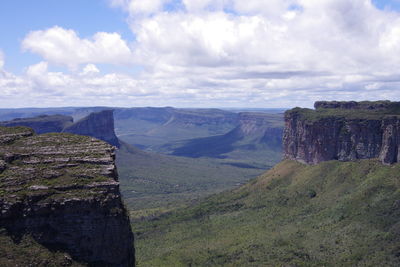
(227,53)
(90,69)
(307,46)
(64,47)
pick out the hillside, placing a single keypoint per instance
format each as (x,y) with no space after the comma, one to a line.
(151,127)
(331,214)
(258,136)
(152,182)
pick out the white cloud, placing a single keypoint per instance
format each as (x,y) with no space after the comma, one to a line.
(90,69)
(201,5)
(64,47)
(274,8)
(146,7)
(258,53)
(37,69)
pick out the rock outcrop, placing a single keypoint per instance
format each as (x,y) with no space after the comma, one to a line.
(343,131)
(42,124)
(62,191)
(97,124)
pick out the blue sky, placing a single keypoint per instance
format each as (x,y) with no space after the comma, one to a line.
(390,4)
(226,53)
(19,17)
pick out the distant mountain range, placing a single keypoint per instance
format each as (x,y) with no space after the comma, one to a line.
(205,150)
(97,124)
(255,131)
(154,129)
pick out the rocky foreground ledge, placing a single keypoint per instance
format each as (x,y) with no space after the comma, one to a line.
(343,131)
(60,192)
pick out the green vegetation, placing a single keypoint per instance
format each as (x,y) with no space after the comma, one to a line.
(337,113)
(331,214)
(15,130)
(49,162)
(152,183)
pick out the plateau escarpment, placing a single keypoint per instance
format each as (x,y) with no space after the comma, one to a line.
(261,128)
(61,192)
(255,131)
(343,131)
(42,124)
(97,124)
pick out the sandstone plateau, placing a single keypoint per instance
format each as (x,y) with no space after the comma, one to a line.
(344,131)
(61,192)
(97,124)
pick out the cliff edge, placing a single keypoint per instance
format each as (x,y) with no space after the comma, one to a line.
(42,124)
(61,193)
(97,124)
(343,131)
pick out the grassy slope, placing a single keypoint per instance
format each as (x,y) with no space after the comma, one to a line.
(152,182)
(332,214)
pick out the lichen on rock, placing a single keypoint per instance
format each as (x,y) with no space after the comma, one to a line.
(62,190)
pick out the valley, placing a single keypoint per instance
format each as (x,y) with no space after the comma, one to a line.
(169,157)
(200,133)
(212,196)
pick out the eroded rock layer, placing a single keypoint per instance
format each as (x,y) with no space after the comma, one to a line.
(343,131)
(97,124)
(62,190)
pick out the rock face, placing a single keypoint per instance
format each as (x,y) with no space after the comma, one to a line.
(343,131)
(261,127)
(98,124)
(62,190)
(42,124)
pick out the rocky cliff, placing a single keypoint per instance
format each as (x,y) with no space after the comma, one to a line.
(60,191)
(42,124)
(343,131)
(97,124)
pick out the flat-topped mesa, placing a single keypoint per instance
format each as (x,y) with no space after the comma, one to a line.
(343,131)
(62,191)
(97,124)
(365,105)
(42,124)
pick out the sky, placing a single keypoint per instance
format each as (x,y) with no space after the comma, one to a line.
(198,53)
